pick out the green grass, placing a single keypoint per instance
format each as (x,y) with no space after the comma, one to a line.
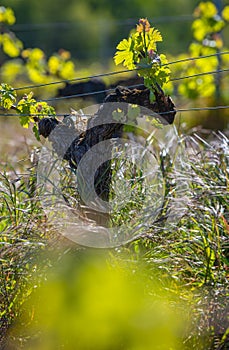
(24,234)
(188,245)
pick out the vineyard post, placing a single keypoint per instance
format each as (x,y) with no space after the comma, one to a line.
(218,4)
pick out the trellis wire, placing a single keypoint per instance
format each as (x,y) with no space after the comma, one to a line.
(130,86)
(66,25)
(116,72)
(191,109)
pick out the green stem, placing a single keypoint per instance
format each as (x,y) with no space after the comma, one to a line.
(144,42)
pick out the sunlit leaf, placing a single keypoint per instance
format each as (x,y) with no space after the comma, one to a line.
(206,9)
(11,69)
(53,64)
(155,35)
(124,45)
(68,70)
(7,96)
(36,75)
(199,29)
(36,132)
(11,45)
(7,15)
(125,54)
(24,121)
(225,13)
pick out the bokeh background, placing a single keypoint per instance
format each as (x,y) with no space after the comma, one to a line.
(91,29)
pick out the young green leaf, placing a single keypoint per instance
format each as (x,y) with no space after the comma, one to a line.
(7,96)
(140,51)
(125,54)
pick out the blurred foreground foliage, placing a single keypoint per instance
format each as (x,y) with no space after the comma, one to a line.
(96,302)
(168,288)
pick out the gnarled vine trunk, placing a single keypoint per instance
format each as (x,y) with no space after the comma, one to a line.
(101,127)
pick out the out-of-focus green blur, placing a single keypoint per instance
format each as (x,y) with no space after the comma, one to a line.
(91,29)
(87,303)
(52,42)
